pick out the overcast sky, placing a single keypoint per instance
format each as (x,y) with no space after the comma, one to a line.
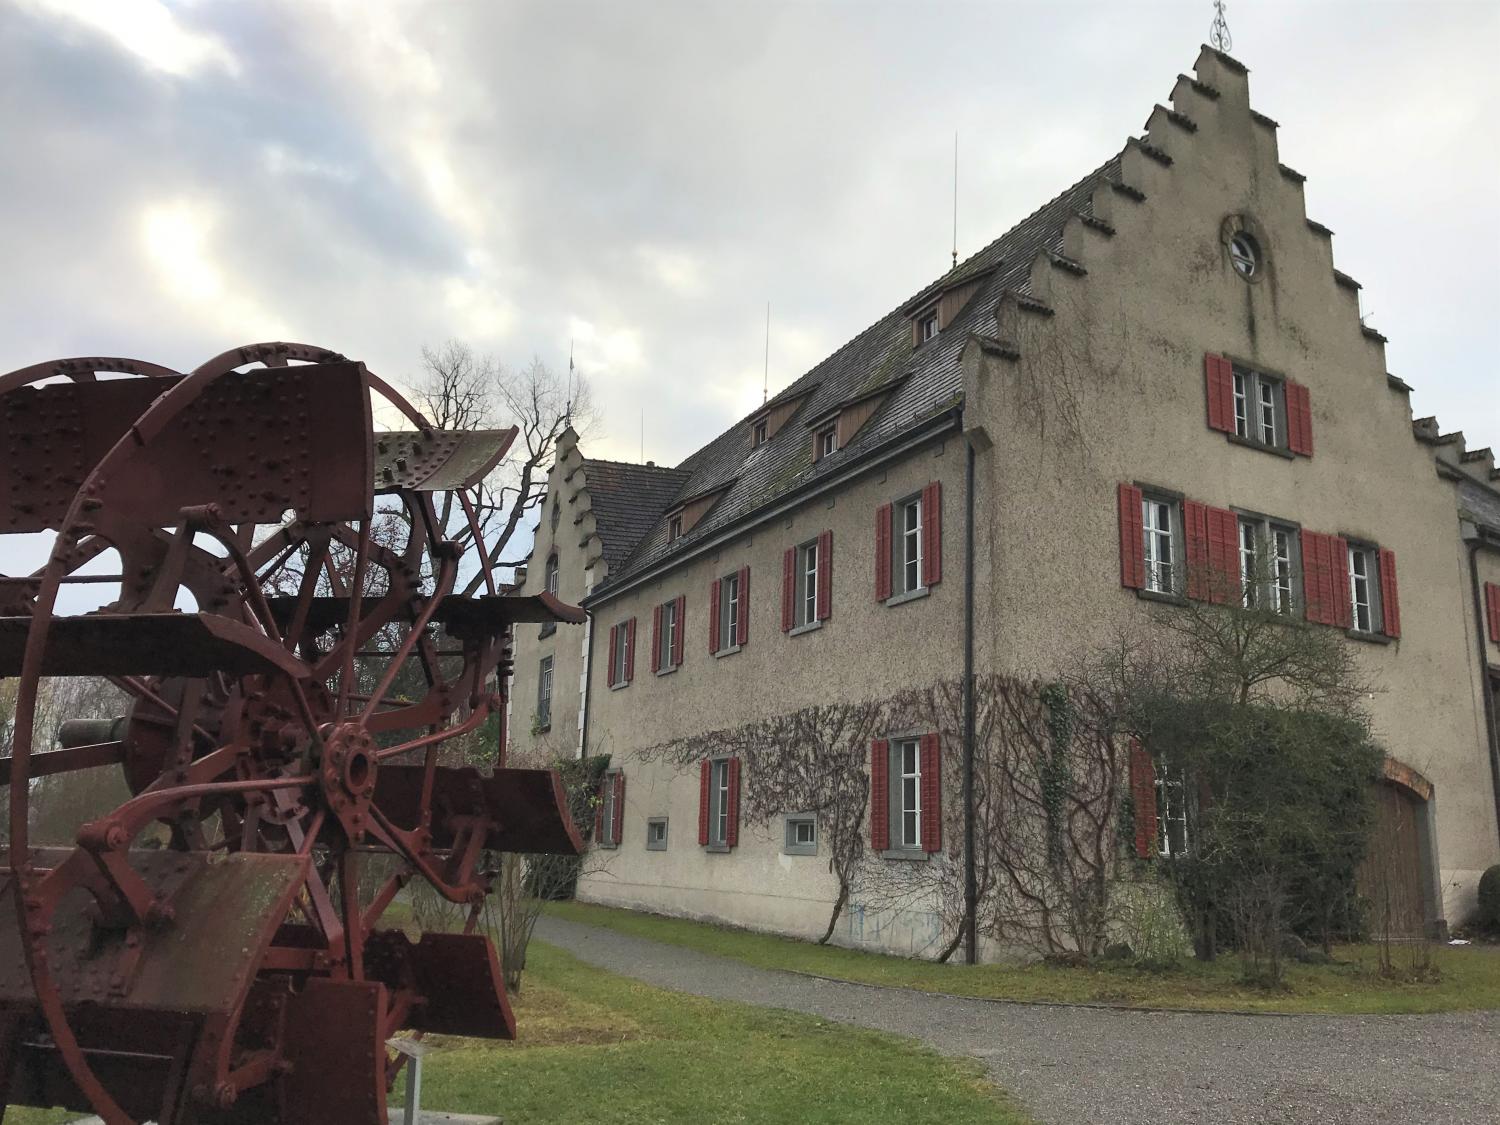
(641,178)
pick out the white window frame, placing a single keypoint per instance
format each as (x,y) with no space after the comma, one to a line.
(551,574)
(793,843)
(828,442)
(927,326)
(805,584)
(607,821)
(622,647)
(1161,546)
(674,528)
(906,794)
(544,682)
(1249,552)
(1242,403)
(718,803)
(1363,566)
(669,627)
(1260,407)
(910,567)
(1171,809)
(653,823)
(729,611)
(1275,542)
(760,433)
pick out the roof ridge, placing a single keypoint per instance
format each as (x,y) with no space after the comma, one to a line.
(647,466)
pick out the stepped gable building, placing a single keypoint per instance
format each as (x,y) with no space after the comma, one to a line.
(1158,374)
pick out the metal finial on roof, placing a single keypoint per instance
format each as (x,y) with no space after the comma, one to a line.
(568,408)
(1218,34)
(955,199)
(765,379)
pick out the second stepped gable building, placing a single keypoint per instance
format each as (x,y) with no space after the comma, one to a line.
(1160,365)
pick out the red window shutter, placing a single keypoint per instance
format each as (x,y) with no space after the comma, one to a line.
(1223,555)
(656,640)
(713,616)
(705,778)
(825,576)
(599,812)
(880,795)
(932,794)
(614,640)
(732,828)
(1390,597)
(681,629)
(1492,609)
(1338,572)
(743,634)
(788,589)
(1219,375)
(617,830)
(1195,533)
(1299,436)
(1132,541)
(1143,799)
(1314,580)
(630,650)
(932,534)
(882,552)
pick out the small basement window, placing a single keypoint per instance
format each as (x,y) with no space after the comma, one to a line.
(801,835)
(656,834)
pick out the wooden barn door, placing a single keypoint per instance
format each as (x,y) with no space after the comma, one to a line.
(1392,878)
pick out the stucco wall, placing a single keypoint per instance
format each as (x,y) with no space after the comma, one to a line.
(1111,388)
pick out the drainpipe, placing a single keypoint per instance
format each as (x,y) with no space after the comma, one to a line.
(971,884)
(1476,544)
(588,679)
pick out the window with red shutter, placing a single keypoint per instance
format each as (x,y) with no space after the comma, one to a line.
(883,516)
(825,576)
(1132,548)
(732,826)
(1390,597)
(681,631)
(714,610)
(1223,555)
(880,795)
(1143,799)
(617,833)
(1492,610)
(788,589)
(614,648)
(1299,437)
(1195,533)
(630,650)
(742,634)
(1338,577)
(656,640)
(1219,377)
(705,779)
(932,534)
(932,794)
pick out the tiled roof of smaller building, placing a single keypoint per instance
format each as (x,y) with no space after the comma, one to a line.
(627,501)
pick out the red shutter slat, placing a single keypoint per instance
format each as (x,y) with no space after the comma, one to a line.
(630,650)
(705,776)
(825,576)
(1195,532)
(743,634)
(1390,596)
(656,640)
(1314,599)
(1132,543)
(1223,555)
(714,610)
(1338,574)
(1218,375)
(614,640)
(880,795)
(932,534)
(788,589)
(681,629)
(732,828)
(932,794)
(1143,798)
(1299,438)
(1492,609)
(617,831)
(882,552)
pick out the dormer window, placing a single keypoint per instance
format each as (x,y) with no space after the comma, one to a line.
(927,326)
(828,441)
(759,433)
(674,528)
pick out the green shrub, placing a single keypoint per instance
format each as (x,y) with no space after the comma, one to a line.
(1489,898)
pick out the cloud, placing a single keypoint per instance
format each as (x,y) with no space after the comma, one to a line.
(149,30)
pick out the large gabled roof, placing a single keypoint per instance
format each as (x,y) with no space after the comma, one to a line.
(926,380)
(627,501)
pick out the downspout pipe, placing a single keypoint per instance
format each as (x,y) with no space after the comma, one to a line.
(1477,544)
(971,882)
(588,680)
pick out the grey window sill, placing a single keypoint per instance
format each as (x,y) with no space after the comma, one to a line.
(547,630)
(668,670)
(1158,596)
(650,847)
(806,627)
(729,650)
(909,596)
(1368,638)
(800,850)
(1274,450)
(543,728)
(603,844)
(910,855)
(619,685)
(717,849)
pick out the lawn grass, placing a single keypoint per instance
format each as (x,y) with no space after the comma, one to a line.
(599,1048)
(1468,977)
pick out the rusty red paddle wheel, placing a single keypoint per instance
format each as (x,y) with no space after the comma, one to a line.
(287,625)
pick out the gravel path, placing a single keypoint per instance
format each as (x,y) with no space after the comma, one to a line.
(1071,1066)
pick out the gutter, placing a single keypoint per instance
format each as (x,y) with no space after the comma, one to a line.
(949,419)
(1478,540)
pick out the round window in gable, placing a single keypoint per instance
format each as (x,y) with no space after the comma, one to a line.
(1244,254)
